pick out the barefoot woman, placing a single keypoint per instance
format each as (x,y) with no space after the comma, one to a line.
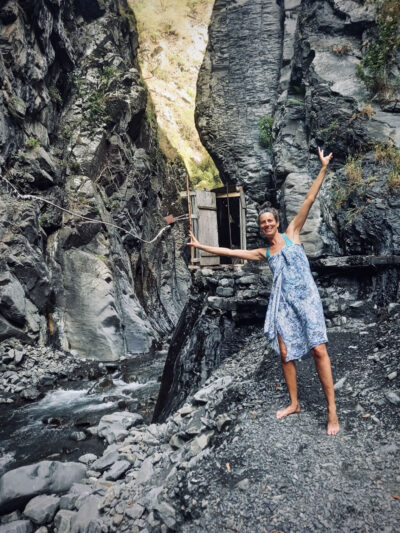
(294,323)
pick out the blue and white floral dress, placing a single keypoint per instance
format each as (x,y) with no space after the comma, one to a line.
(295,307)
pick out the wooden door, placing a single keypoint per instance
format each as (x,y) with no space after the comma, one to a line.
(205,227)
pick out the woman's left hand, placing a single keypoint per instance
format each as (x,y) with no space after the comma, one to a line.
(324,159)
(193,241)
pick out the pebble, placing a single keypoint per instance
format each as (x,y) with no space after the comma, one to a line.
(392,397)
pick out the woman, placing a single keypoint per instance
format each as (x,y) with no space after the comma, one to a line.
(294,323)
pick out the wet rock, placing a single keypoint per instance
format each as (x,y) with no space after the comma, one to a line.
(78,436)
(136,511)
(87,458)
(115,426)
(104,385)
(52,421)
(19,526)
(145,472)
(117,470)
(18,486)
(105,462)
(41,510)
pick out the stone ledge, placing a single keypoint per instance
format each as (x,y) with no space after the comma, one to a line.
(355,261)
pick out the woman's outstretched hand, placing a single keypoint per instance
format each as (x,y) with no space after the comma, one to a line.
(193,241)
(324,159)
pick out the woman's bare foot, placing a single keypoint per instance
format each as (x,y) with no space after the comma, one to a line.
(293,408)
(333,422)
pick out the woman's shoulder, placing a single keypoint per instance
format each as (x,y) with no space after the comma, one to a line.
(294,236)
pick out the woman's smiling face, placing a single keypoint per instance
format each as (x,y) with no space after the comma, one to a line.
(268,224)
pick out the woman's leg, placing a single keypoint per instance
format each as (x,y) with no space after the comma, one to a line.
(323,365)
(289,371)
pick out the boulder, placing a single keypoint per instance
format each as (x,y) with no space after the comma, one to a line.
(18,486)
(19,526)
(114,426)
(42,509)
(117,470)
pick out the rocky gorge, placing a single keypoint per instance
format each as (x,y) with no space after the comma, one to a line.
(138,394)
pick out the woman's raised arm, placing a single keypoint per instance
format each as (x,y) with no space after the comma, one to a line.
(297,223)
(251,255)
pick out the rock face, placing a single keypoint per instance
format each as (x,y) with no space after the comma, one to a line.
(76,129)
(237,86)
(209,329)
(300,69)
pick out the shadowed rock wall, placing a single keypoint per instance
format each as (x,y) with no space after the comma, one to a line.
(237,86)
(76,128)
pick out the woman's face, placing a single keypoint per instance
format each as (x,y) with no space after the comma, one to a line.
(268,224)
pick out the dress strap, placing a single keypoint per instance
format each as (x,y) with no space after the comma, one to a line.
(287,240)
(267,253)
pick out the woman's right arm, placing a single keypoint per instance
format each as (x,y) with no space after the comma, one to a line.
(257,254)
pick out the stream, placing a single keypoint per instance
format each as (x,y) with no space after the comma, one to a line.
(58,426)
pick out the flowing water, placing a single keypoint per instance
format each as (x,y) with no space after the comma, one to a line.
(45,429)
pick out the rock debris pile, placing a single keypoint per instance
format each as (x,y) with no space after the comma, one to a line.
(223,461)
(27,371)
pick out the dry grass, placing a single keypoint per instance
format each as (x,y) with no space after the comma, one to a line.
(341,49)
(388,154)
(366,112)
(353,170)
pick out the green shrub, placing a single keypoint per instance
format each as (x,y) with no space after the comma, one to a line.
(109,73)
(330,131)
(204,175)
(75,167)
(353,170)
(381,53)
(32,143)
(265,125)
(55,95)
(43,219)
(354,182)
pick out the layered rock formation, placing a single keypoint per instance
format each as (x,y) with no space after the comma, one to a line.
(299,67)
(77,130)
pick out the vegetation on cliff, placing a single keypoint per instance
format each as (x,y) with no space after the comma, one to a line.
(173,38)
(376,68)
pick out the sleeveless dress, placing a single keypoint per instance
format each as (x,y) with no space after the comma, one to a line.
(295,307)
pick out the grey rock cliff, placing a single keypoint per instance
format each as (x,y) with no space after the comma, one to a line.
(296,61)
(237,86)
(76,129)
